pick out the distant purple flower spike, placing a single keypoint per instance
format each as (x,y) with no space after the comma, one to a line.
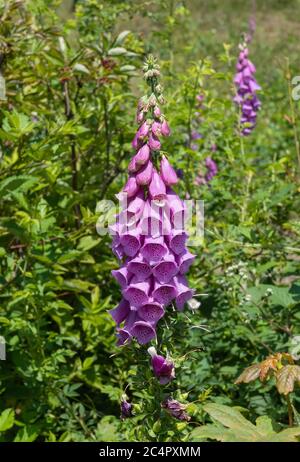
(247,87)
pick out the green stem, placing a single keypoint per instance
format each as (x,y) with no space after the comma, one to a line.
(290,410)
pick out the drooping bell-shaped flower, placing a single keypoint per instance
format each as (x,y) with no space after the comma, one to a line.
(167,172)
(126,408)
(163,368)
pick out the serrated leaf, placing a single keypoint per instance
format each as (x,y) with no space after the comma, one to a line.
(287,377)
(249,374)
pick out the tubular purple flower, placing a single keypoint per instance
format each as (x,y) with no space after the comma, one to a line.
(126,408)
(154,143)
(142,156)
(184,293)
(166,269)
(165,129)
(167,172)
(144,176)
(120,313)
(157,188)
(131,187)
(151,312)
(163,368)
(143,331)
(156,128)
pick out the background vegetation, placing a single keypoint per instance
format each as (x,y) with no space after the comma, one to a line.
(72,75)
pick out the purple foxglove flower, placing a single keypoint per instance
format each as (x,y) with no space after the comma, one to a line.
(164,293)
(157,112)
(166,269)
(124,337)
(132,167)
(165,129)
(196,135)
(140,268)
(151,312)
(163,368)
(167,172)
(140,117)
(118,251)
(177,241)
(126,408)
(212,169)
(184,261)
(142,156)
(145,175)
(176,409)
(143,332)
(121,275)
(137,292)
(184,293)
(153,249)
(131,187)
(246,96)
(177,209)
(136,205)
(151,221)
(157,188)
(154,143)
(143,130)
(156,129)
(149,235)
(120,313)
(131,242)
(213,147)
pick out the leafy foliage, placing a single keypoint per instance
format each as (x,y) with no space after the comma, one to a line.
(237,428)
(67,109)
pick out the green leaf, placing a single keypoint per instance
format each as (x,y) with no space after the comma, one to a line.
(7,419)
(117,51)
